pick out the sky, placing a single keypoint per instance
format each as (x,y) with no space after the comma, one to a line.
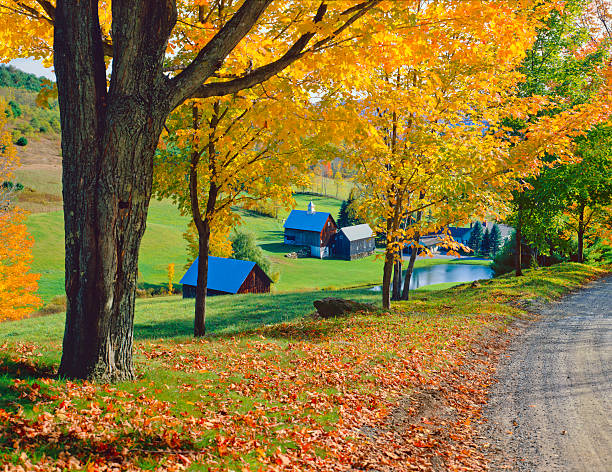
(33,66)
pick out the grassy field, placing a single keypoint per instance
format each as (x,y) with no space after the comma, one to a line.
(163,244)
(270,388)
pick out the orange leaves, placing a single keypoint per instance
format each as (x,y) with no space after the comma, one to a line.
(17,285)
(316,403)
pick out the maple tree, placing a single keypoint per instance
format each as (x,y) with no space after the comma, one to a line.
(424,117)
(111,125)
(18,285)
(236,151)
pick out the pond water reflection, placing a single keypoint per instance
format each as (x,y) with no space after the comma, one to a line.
(443,273)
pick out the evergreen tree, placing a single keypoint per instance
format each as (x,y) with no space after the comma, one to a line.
(14,78)
(343,214)
(475,238)
(495,239)
(347,215)
(485,245)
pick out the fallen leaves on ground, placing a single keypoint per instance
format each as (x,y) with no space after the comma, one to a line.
(393,392)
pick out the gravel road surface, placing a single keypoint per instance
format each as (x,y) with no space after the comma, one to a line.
(552,407)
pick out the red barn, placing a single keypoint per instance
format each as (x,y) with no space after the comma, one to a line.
(315,229)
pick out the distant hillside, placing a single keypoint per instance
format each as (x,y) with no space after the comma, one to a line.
(35,131)
(27,120)
(14,78)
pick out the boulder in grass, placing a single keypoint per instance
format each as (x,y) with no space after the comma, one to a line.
(330,307)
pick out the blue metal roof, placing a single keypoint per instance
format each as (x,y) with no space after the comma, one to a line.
(225,275)
(300,219)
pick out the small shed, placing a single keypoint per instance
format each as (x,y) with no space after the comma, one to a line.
(354,242)
(227,276)
(315,229)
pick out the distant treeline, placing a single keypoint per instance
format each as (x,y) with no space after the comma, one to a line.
(14,78)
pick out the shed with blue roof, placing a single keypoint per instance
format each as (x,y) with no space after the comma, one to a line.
(227,276)
(315,229)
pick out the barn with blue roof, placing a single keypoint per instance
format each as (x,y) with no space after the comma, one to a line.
(227,276)
(315,229)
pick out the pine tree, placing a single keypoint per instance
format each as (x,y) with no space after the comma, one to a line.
(485,245)
(475,240)
(347,215)
(495,240)
(343,214)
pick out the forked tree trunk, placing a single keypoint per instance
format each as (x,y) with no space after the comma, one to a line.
(410,270)
(413,256)
(390,254)
(108,142)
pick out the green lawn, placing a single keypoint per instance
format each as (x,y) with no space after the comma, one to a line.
(172,316)
(163,244)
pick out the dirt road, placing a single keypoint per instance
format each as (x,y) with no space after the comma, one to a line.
(552,407)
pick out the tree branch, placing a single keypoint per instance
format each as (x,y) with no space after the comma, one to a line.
(211,56)
(295,52)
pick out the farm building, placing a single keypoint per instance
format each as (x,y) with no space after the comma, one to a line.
(461,235)
(315,229)
(353,242)
(432,241)
(227,276)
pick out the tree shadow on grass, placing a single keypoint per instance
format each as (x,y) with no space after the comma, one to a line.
(144,446)
(279,248)
(11,397)
(228,315)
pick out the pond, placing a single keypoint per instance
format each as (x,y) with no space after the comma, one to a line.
(443,273)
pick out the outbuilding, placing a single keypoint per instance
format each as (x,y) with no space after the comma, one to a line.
(227,276)
(354,242)
(315,229)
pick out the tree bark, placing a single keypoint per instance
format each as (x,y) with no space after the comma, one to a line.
(518,260)
(108,142)
(199,324)
(397,278)
(410,269)
(387,273)
(581,235)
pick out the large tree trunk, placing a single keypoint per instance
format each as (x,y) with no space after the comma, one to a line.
(397,278)
(108,143)
(518,259)
(199,325)
(581,235)
(386,284)
(410,269)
